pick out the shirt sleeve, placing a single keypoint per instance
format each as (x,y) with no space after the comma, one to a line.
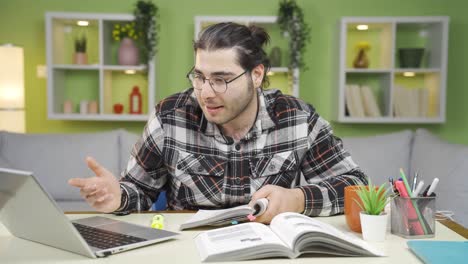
(145,174)
(328,168)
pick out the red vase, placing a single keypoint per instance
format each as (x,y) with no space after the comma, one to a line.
(128,52)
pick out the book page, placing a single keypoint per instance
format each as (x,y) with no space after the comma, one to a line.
(238,242)
(299,231)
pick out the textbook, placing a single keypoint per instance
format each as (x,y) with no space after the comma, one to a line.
(289,235)
(222,217)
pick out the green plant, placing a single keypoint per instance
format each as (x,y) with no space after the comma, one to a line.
(373,199)
(80,44)
(291,22)
(125,30)
(145,17)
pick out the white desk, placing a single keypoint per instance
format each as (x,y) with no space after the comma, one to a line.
(183,250)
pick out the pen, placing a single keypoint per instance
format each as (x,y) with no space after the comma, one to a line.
(418,189)
(415,181)
(433,186)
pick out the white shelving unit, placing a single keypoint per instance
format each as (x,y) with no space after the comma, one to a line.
(286,79)
(403,95)
(102,79)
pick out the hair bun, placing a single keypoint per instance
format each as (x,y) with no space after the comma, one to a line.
(259,35)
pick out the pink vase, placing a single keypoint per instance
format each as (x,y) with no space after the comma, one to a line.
(128,52)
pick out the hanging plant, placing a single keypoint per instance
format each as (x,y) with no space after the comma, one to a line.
(145,17)
(291,23)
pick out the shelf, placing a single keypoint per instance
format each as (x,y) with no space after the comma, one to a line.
(75,67)
(64,32)
(99,117)
(391,120)
(102,82)
(368,71)
(402,89)
(125,67)
(417,70)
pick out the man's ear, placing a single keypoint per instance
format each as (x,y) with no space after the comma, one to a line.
(257,75)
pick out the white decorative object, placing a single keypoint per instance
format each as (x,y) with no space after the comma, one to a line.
(12,89)
(83,107)
(374,227)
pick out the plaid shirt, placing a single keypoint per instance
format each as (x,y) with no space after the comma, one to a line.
(289,145)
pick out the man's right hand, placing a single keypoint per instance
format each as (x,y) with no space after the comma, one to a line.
(102,192)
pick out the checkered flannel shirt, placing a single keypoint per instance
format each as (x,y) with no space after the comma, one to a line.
(289,145)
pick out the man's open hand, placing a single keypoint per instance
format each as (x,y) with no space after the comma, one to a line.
(102,191)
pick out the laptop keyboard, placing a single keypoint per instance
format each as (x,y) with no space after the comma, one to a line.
(104,239)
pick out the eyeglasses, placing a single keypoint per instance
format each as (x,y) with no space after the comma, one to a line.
(218,84)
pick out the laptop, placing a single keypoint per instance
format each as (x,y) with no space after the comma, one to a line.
(29,212)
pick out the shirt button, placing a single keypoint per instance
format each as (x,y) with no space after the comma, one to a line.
(238,147)
(272,167)
(238,181)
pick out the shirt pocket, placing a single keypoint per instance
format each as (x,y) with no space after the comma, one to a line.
(201,179)
(277,169)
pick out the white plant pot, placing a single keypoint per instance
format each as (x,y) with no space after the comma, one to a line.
(374,227)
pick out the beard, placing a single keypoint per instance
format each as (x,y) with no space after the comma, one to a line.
(232,107)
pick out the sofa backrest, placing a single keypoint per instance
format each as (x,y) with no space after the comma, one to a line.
(434,157)
(381,156)
(55,158)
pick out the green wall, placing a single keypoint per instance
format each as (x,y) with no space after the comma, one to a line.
(22,23)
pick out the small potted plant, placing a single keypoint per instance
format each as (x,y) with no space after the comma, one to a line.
(80,56)
(373,200)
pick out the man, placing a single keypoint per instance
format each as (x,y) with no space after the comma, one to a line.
(227,142)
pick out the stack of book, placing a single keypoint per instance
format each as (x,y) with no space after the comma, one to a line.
(361,101)
(410,102)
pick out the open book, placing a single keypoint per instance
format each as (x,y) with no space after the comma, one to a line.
(289,235)
(225,216)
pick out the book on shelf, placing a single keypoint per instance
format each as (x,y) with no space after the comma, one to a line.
(222,217)
(289,235)
(354,101)
(371,108)
(410,102)
(361,101)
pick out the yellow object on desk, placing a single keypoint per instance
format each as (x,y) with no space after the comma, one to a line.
(157,221)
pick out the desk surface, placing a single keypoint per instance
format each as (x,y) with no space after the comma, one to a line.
(183,249)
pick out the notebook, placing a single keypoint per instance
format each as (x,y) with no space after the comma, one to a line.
(440,252)
(29,212)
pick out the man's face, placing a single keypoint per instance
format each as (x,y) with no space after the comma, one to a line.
(232,105)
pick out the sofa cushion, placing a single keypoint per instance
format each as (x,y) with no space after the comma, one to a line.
(55,158)
(382,156)
(127,141)
(434,157)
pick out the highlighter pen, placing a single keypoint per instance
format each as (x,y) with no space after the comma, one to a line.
(405,181)
(433,186)
(418,189)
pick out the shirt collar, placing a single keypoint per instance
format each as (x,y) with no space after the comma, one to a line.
(262,123)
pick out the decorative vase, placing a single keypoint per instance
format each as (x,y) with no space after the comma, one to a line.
(410,57)
(275,57)
(80,58)
(128,52)
(374,227)
(361,60)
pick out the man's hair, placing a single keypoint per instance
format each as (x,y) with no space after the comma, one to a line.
(247,42)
